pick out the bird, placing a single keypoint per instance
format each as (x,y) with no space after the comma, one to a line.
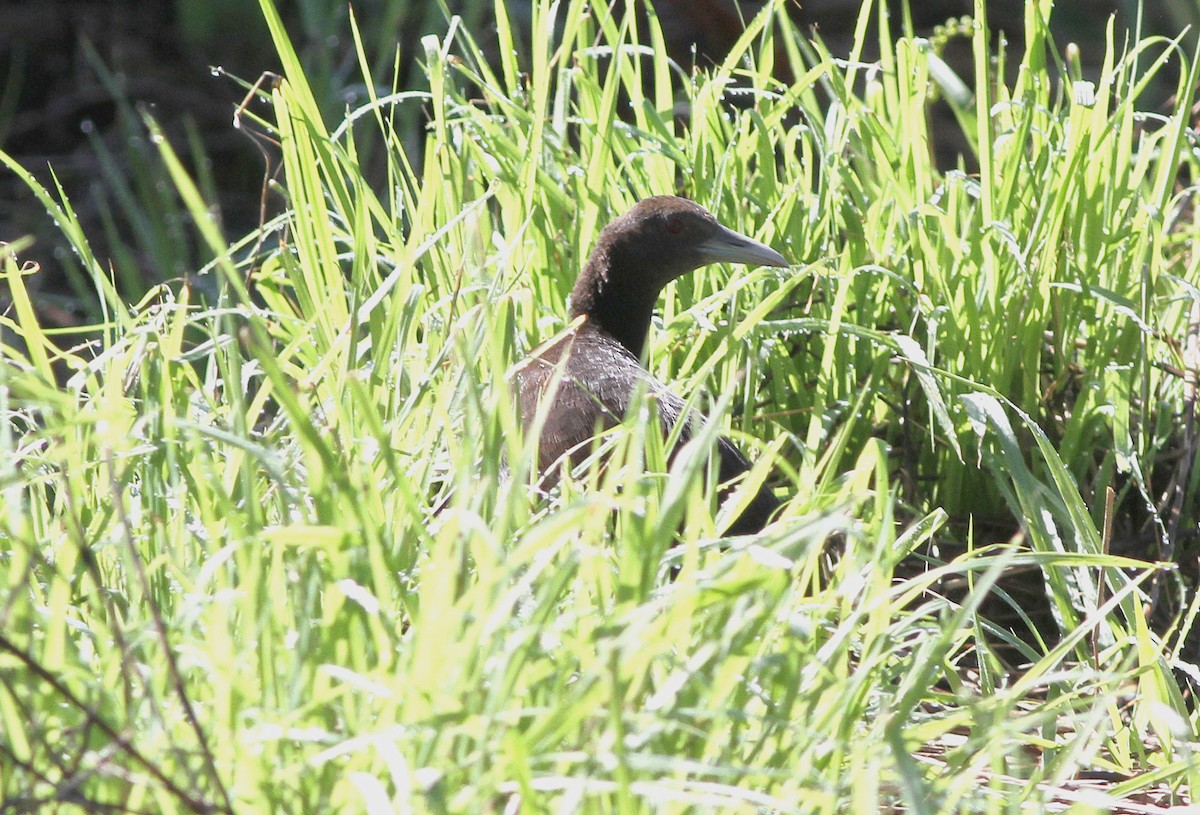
(592,371)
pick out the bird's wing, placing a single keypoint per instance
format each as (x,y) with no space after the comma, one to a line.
(593,389)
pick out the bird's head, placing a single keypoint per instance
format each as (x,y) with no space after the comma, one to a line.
(664,237)
(642,251)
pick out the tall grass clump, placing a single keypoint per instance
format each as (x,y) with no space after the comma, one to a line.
(273,538)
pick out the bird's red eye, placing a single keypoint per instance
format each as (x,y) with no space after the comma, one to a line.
(674,224)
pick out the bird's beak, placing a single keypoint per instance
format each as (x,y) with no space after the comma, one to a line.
(727,246)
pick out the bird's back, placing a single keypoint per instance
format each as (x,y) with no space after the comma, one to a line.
(599,377)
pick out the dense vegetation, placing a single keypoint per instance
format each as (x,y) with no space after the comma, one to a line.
(271,540)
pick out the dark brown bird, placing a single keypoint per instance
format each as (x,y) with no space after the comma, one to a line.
(636,255)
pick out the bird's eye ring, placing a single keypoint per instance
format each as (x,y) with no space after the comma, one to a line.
(674,224)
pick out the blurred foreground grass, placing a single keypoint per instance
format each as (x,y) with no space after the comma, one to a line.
(270,539)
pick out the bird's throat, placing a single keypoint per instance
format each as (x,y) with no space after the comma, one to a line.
(611,304)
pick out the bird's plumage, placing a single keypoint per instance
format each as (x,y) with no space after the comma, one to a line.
(635,256)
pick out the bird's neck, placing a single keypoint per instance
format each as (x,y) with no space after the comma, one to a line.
(604,294)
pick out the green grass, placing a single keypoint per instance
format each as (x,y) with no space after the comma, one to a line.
(271,540)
